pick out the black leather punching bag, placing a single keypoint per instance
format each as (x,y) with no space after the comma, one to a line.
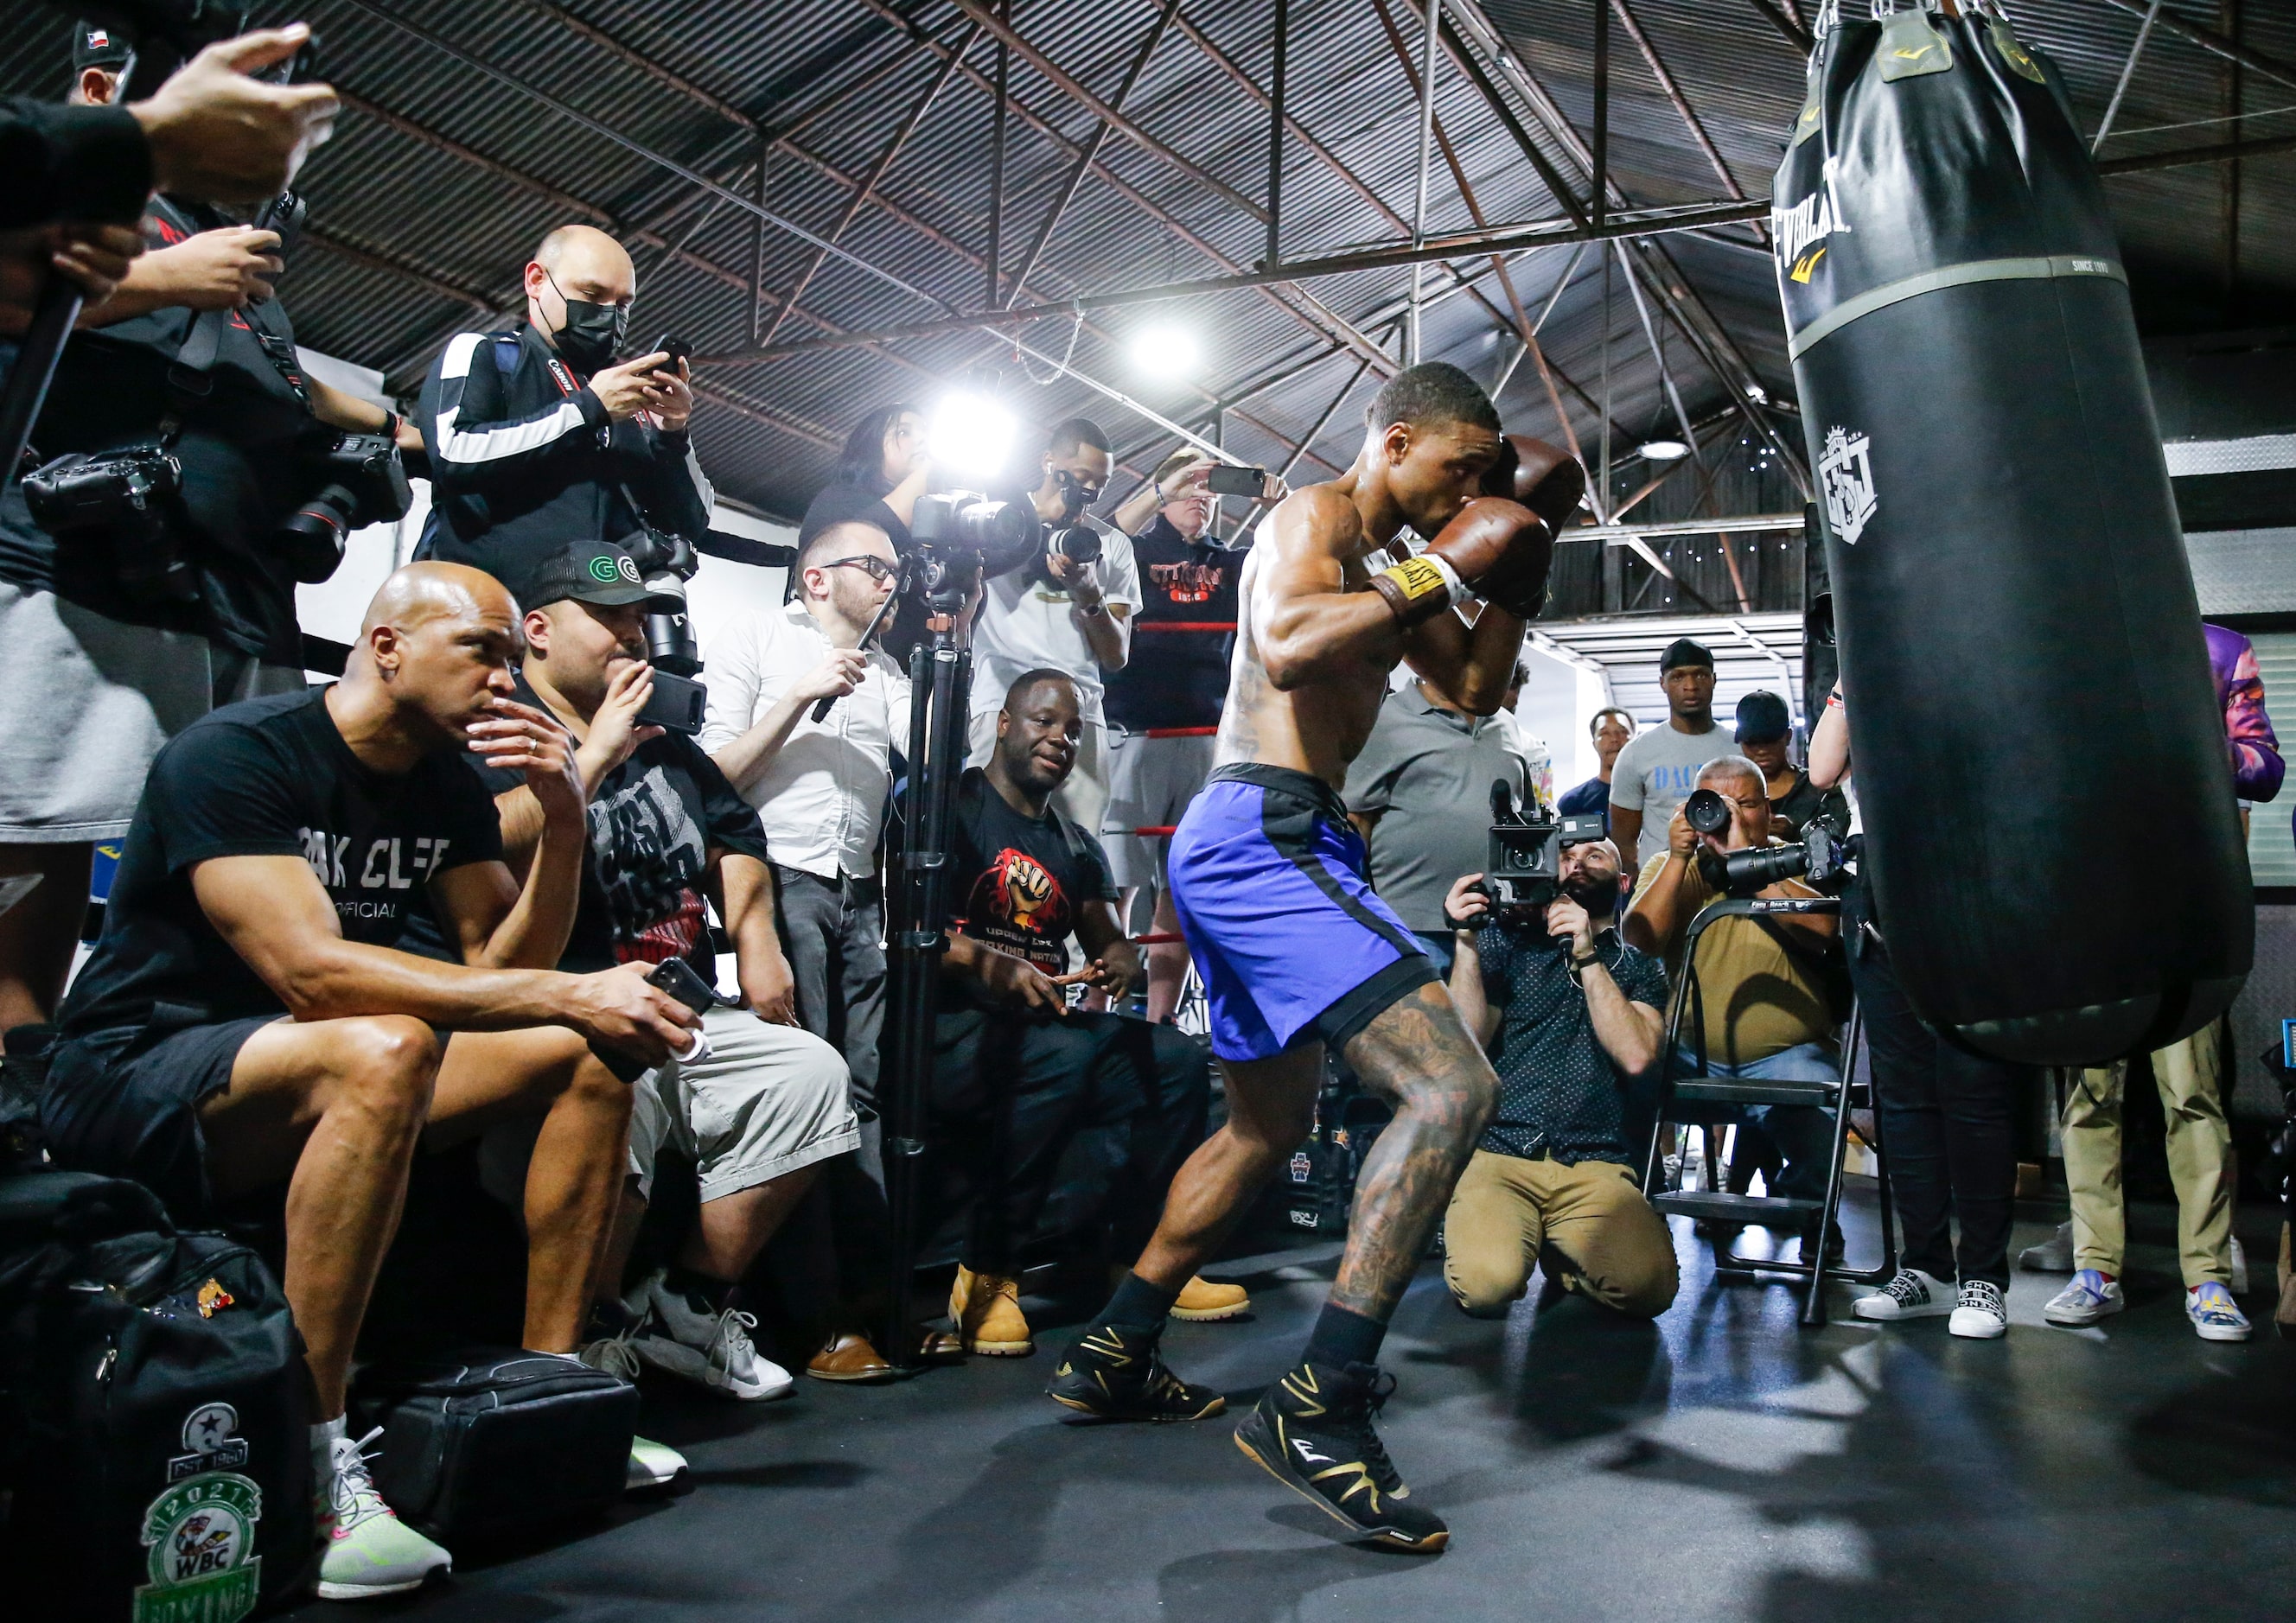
(2051,829)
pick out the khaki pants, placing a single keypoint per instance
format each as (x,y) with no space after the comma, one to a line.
(2200,1160)
(1083,797)
(1587,1225)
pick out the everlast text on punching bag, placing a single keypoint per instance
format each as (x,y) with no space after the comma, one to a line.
(2052,836)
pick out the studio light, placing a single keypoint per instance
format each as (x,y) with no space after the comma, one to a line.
(1164,352)
(1664,450)
(971,434)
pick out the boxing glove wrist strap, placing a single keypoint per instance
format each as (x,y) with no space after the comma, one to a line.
(1419,588)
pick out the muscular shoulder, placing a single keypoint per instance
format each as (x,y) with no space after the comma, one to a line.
(1319,519)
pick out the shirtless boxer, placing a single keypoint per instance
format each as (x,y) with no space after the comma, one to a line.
(1295,952)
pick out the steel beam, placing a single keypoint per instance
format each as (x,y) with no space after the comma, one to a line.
(1089,155)
(868,185)
(1799,37)
(1081,95)
(2128,72)
(2208,39)
(1280,43)
(1529,233)
(1666,82)
(2225,151)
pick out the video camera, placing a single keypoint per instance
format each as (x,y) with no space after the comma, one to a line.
(1817,858)
(1524,865)
(963,537)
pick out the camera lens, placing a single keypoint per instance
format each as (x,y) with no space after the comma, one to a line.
(1707,812)
(670,644)
(312,540)
(1079,543)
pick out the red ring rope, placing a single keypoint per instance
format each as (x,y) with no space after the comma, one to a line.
(1181,732)
(1184,625)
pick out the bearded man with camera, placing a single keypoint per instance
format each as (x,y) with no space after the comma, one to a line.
(1067,609)
(1764,983)
(1570,1016)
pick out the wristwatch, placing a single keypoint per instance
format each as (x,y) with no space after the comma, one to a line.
(1578,963)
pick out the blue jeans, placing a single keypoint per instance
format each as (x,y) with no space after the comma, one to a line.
(1802,1133)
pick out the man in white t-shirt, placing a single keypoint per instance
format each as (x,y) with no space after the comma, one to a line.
(1061,615)
(1657,770)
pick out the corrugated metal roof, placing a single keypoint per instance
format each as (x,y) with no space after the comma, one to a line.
(442,176)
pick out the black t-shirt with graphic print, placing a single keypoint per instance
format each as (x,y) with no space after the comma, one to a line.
(1177,678)
(653,822)
(1017,882)
(1559,1093)
(271,777)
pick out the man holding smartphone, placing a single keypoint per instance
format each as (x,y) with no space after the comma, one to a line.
(766,1101)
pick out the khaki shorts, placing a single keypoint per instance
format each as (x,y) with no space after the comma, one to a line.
(1150,783)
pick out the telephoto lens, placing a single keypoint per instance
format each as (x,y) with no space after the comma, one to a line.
(1708,812)
(1080,543)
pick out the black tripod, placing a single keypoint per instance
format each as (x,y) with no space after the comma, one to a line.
(916,912)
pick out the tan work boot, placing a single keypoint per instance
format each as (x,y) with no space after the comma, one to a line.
(986,1309)
(1202,1300)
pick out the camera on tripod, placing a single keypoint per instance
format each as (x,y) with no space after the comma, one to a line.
(963,537)
(1524,865)
(1817,858)
(365,483)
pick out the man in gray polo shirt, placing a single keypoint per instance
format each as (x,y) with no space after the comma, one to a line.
(1421,795)
(1658,769)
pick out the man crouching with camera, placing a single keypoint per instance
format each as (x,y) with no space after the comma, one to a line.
(1570,1014)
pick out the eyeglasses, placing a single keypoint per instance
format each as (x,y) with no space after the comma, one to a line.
(876,567)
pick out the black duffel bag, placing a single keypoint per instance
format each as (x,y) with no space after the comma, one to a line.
(154,1421)
(493,1440)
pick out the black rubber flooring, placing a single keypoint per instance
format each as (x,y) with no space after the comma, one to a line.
(1719,1465)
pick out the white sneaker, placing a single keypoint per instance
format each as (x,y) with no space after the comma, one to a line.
(2214,1316)
(1912,1295)
(364,1549)
(651,1465)
(2239,1268)
(2088,1298)
(1982,1315)
(711,1349)
(2054,1255)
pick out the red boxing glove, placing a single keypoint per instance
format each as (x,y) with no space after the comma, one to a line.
(1544,478)
(1495,548)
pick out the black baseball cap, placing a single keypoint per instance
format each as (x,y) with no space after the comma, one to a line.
(1763,715)
(1683,651)
(95,45)
(591,572)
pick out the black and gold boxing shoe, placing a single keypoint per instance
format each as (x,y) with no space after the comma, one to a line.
(1312,1431)
(1116,1373)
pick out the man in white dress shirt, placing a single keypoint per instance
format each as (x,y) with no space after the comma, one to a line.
(820,786)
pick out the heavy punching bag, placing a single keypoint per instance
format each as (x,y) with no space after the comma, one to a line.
(2051,832)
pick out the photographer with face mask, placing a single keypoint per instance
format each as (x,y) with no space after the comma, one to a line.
(539,438)
(1570,1014)
(1062,612)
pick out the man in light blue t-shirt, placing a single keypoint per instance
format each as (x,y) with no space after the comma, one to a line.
(1656,771)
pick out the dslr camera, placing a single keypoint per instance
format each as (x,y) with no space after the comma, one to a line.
(1524,865)
(127,497)
(963,538)
(363,483)
(1818,858)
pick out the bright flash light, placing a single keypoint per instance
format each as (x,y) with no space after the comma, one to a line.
(1664,450)
(971,434)
(1166,352)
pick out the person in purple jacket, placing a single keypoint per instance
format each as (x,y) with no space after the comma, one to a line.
(2257,767)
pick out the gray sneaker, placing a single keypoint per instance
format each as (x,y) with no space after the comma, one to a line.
(2054,1255)
(2086,1298)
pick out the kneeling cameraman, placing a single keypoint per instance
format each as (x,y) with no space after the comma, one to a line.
(1575,1013)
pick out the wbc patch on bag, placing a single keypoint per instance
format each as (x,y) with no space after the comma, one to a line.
(201,1532)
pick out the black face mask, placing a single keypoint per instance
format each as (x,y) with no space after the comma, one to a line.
(592,332)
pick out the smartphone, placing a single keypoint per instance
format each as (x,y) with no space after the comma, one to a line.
(1229,480)
(676,348)
(675,702)
(678,978)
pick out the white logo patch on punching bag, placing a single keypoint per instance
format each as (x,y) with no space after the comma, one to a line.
(1846,470)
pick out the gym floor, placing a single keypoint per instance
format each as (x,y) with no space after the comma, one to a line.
(1720,1464)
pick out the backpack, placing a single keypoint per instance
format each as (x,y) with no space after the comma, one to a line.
(154,1411)
(495,1439)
